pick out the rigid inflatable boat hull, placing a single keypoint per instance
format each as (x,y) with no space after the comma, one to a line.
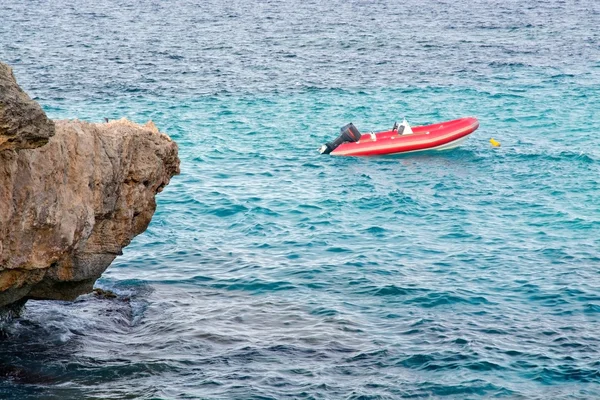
(441,136)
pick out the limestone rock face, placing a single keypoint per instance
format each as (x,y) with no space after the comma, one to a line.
(68,208)
(23,123)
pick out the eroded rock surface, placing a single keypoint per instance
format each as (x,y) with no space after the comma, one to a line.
(68,207)
(23,123)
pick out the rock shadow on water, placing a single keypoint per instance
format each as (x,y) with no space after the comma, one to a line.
(43,344)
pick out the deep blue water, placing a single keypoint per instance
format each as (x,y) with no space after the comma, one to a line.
(270,272)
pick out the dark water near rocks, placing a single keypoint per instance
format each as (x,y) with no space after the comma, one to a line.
(270,272)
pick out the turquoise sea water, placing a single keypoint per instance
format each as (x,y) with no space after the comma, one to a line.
(270,272)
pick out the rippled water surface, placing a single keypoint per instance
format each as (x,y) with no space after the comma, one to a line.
(271,272)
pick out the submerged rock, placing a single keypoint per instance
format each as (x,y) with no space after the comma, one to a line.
(105,294)
(68,207)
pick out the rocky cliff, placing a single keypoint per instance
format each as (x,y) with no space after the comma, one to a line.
(72,195)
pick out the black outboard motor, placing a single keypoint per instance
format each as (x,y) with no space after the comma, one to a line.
(348,133)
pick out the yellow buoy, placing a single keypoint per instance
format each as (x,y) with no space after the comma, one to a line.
(494,142)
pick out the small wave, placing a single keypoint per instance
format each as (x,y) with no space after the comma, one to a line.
(563,155)
(592,309)
(393,290)
(229,211)
(255,286)
(567,373)
(438,299)
(503,64)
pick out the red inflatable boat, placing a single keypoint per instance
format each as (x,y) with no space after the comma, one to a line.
(440,136)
